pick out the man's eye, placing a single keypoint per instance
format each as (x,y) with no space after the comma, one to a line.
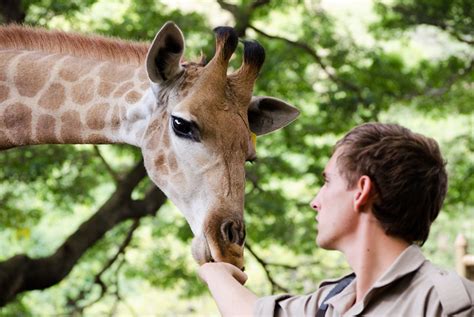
(185,129)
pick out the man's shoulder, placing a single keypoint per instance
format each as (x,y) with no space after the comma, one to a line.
(296,305)
(455,292)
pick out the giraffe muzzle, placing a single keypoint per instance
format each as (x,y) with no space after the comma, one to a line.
(221,243)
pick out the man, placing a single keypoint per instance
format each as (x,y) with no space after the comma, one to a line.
(383,187)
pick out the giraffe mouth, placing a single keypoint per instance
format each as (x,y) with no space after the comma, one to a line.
(202,253)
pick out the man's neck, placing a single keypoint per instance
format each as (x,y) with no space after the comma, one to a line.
(371,254)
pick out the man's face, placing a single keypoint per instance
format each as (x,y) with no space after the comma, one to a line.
(334,204)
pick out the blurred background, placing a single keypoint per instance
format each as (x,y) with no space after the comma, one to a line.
(341,62)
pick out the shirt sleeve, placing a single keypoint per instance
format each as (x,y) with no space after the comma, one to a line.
(287,305)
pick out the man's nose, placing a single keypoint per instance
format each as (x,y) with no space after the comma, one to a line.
(314,203)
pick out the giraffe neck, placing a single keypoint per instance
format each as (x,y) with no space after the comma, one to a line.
(54,98)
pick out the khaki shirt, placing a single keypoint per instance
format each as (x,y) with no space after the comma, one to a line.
(412,286)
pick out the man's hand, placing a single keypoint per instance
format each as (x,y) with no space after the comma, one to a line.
(220,270)
(225,284)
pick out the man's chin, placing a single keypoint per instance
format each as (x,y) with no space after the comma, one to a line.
(324,244)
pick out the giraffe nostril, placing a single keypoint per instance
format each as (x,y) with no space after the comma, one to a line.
(229,231)
(233,232)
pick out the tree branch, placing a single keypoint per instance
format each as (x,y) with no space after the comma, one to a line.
(73,303)
(253,178)
(275,285)
(439,91)
(22,273)
(318,59)
(242,14)
(417,17)
(232,8)
(258,3)
(460,38)
(107,166)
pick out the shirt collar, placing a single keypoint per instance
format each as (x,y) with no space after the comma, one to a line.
(408,261)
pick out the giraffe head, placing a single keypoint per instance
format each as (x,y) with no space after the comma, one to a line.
(199,136)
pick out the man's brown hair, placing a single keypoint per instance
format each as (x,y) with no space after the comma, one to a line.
(408,173)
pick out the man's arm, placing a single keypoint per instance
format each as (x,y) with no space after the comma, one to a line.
(225,283)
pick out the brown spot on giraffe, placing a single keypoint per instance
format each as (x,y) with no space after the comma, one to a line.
(154,130)
(117,74)
(83,92)
(106,88)
(96,139)
(133,97)
(115,123)
(17,119)
(156,125)
(160,160)
(160,164)
(31,75)
(165,138)
(152,143)
(172,163)
(76,68)
(71,127)
(5,142)
(46,129)
(53,97)
(123,113)
(4,93)
(95,117)
(153,134)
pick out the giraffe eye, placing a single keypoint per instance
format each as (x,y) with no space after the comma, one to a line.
(185,129)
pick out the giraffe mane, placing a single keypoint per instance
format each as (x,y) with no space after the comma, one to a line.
(88,46)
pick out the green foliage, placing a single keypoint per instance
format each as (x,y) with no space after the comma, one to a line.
(455,17)
(62,176)
(40,12)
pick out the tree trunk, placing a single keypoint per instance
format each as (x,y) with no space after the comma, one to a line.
(22,273)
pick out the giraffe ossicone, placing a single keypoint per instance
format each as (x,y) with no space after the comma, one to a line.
(193,122)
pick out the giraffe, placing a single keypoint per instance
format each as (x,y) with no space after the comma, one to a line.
(192,121)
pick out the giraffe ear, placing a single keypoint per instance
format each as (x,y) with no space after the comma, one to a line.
(164,54)
(267,114)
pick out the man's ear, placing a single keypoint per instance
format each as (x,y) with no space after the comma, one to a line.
(164,54)
(267,114)
(363,193)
